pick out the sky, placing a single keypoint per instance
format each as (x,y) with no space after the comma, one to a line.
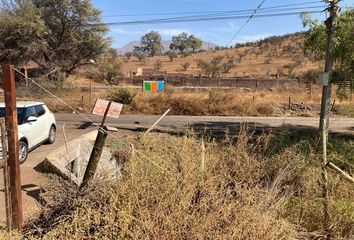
(219,32)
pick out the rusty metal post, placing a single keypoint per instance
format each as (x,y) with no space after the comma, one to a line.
(96,151)
(6,173)
(12,135)
(105,114)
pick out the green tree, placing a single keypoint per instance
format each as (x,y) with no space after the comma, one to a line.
(151,43)
(58,35)
(195,43)
(316,42)
(171,55)
(109,69)
(180,42)
(139,53)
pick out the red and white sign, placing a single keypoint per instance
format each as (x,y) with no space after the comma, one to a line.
(101,106)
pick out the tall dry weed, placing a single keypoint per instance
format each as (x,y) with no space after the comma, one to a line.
(190,188)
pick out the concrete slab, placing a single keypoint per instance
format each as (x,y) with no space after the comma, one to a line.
(70,160)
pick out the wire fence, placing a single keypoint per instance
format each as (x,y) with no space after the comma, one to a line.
(30,85)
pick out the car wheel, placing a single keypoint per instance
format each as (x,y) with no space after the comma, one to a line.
(52,135)
(23,151)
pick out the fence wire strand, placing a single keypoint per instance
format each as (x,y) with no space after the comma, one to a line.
(92,122)
(68,105)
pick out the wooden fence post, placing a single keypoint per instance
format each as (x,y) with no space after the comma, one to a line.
(12,135)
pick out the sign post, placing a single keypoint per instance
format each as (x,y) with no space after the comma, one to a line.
(103,108)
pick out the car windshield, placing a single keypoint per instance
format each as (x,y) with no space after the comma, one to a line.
(19,114)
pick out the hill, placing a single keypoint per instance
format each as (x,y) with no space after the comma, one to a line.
(277,55)
(165,44)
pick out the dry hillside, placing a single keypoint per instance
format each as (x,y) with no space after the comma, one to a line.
(283,55)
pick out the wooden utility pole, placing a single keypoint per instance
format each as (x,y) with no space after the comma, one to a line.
(6,173)
(326,107)
(13,152)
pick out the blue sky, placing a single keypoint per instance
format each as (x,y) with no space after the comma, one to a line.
(219,32)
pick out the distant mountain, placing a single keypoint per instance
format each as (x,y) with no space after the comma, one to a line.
(166,46)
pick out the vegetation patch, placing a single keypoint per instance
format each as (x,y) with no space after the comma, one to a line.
(248,187)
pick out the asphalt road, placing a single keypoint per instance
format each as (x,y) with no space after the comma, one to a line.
(209,123)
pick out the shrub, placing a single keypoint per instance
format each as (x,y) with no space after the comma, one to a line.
(227,66)
(158,65)
(171,55)
(212,68)
(127,56)
(185,66)
(108,69)
(169,90)
(123,95)
(268,61)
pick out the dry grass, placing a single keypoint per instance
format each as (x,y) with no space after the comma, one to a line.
(256,188)
(264,60)
(241,102)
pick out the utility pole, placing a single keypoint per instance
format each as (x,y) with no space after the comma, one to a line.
(325,108)
(326,91)
(13,152)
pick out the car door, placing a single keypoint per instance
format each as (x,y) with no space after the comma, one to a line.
(32,130)
(42,122)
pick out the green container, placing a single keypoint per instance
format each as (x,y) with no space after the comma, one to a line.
(147,86)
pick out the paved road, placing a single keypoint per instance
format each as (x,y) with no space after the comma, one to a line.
(216,124)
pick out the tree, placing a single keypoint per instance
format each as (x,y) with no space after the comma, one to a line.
(195,43)
(58,35)
(227,66)
(180,42)
(127,56)
(171,55)
(139,53)
(109,69)
(151,43)
(316,38)
(212,68)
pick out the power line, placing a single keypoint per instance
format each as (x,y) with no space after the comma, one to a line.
(245,24)
(207,12)
(199,19)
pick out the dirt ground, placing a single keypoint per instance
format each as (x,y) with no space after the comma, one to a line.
(32,178)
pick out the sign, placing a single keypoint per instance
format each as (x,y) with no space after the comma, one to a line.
(101,106)
(153,86)
(322,79)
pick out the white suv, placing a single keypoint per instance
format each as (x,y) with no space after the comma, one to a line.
(36,125)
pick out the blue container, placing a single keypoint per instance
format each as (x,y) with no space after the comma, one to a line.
(160,86)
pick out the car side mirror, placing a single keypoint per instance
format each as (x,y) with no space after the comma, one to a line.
(31,119)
